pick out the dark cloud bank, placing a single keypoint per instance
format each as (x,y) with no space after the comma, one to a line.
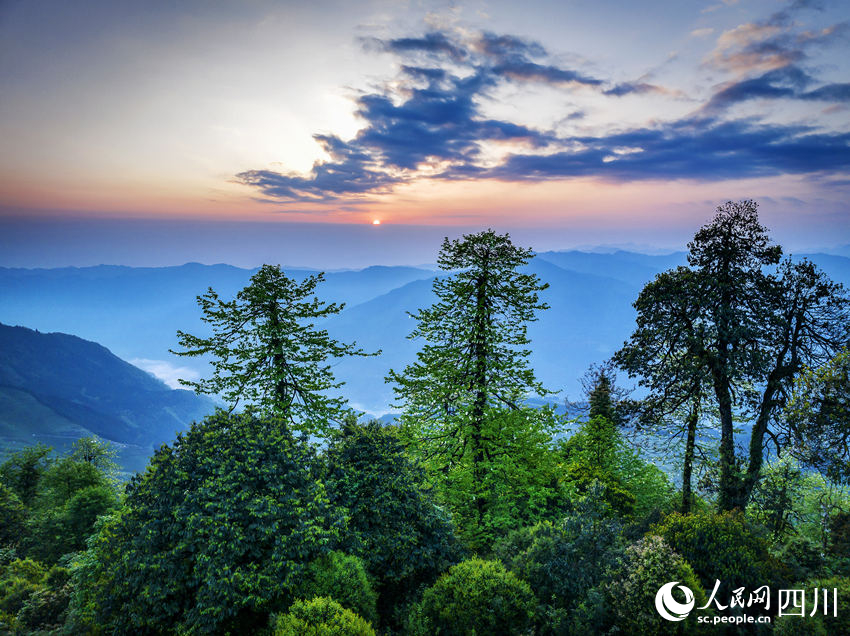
(435,122)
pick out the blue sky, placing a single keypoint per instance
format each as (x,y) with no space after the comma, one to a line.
(569,123)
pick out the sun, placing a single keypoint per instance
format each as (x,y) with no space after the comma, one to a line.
(376,221)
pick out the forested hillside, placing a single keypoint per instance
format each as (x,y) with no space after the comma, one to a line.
(481,509)
(56,388)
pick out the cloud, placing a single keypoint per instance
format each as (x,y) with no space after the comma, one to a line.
(773,43)
(698,148)
(165,371)
(789,82)
(701,33)
(428,122)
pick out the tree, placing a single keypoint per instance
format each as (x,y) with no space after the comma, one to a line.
(267,352)
(393,524)
(321,616)
(14,515)
(98,452)
(463,399)
(626,600)
(215,536)
(598,454)
(666,357)
(23,470)
(747,323)
(474,597)
(817,418)
(562,561)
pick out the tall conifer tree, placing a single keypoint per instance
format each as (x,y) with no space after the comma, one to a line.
(464,398)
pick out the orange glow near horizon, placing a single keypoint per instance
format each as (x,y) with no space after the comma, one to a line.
(584,202)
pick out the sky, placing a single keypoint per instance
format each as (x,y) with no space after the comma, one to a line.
(341,134)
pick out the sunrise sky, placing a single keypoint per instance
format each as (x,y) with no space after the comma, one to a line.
(152,133)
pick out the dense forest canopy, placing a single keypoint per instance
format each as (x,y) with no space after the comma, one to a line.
(474,512)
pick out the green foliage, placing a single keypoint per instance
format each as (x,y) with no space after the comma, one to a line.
(321,616)
(471,370)
(65,478)
(600,400)
(404,539)
(72,494)
(818,417)
(838,552)
(214,536)
(97,452)
(562,561)
(839,533)
(800,557)
(791,501)
(19,580)
(266,351)
(46,608)
(474,597)
(777,496)
(820,624)
(343,578)
(25,569)
(517,480)
(596,453)
(721,546)
(14,514)
(626,599)
(23,469)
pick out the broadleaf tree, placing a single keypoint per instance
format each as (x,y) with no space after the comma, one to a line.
(666,358)
(463,400)
(752,325)
(817,418)
(267,352)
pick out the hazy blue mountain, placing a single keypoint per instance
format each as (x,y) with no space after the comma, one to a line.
(589,317)
(136,312)
(836,267)
(55,388)
(629,267)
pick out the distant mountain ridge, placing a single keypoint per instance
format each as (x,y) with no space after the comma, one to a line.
(136,312)
(56,387)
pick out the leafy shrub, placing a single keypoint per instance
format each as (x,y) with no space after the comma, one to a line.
(404,540)
(474,597)
(626,600)
(343,578)
(800,557)
(45,609)
(721,546)
(321,616)
(14,514)
(819,624)
(25,569)
(14,593)
(62,530)
(562,561)
(214,536)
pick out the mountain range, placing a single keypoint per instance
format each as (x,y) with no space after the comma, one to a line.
(55,388)
(135,312)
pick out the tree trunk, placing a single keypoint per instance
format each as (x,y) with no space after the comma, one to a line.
(687,468)
(479,407)
(729,498)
